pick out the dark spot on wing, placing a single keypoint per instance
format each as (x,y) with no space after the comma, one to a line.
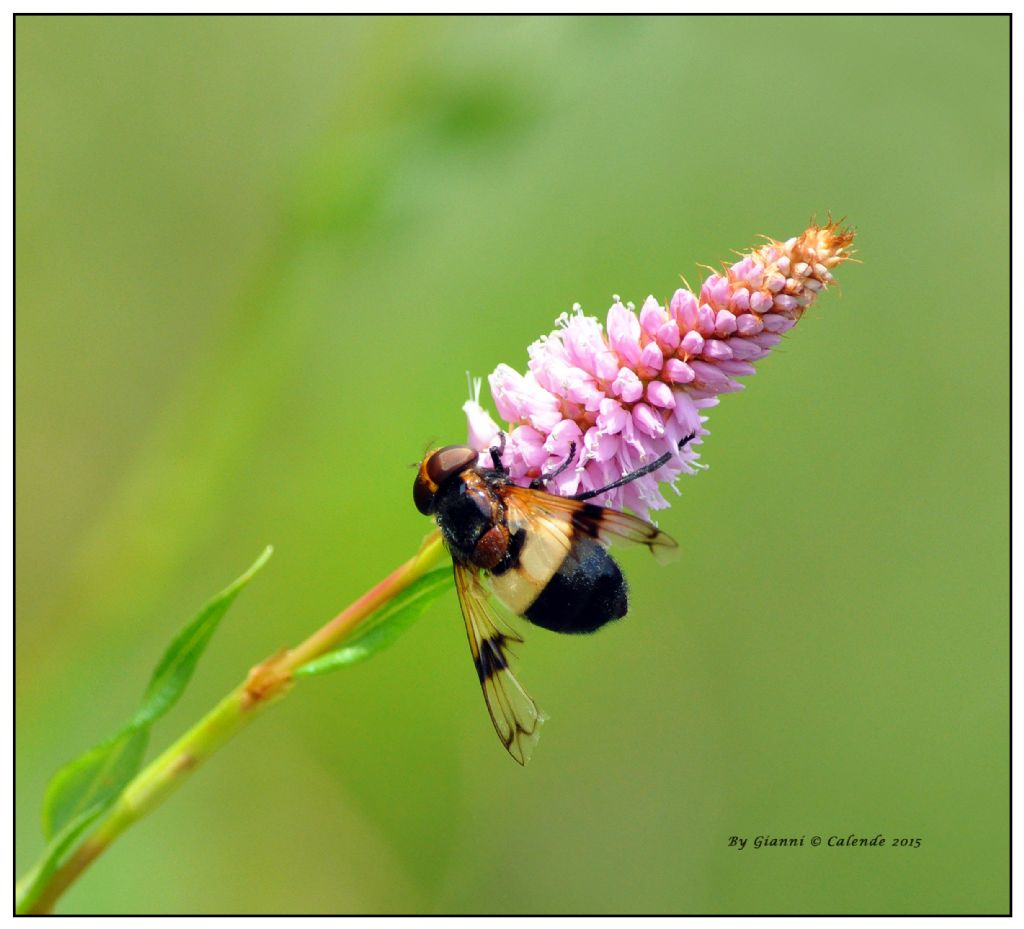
(587,520)
(491,659)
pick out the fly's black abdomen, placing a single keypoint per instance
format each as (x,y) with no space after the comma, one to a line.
(587,591)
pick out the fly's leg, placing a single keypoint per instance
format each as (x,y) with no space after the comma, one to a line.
(497,451)
(633,475)
(538,482)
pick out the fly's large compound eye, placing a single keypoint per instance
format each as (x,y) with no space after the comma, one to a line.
(422,495)
(437,468)
(448,461)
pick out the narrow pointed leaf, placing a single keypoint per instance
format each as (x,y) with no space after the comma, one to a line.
(175,669)
(94,780)
(386,625)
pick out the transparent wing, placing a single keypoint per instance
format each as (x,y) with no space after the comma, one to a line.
(517,719)
(561,517)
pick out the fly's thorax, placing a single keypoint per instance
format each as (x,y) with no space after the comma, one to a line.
(471,515)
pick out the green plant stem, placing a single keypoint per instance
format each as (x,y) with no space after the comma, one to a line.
(267,682)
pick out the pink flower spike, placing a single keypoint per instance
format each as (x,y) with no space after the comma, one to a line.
(628,394)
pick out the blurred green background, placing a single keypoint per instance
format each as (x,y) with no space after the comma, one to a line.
(256,257)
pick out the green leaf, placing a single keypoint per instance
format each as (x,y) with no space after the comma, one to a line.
(93,781)
(28,888)
(175,669)
(382,628)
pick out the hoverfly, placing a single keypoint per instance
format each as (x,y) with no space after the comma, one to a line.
(543,555)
